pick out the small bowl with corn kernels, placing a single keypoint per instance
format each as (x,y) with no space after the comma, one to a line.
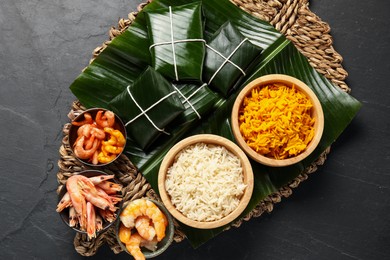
(277,120)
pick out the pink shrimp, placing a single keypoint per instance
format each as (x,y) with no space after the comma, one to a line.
(92,195)
(85,130)
(73,220)
(110,187)
(98,133)
(87,120)
(108,215)
(64,202)
(91,224)
(99,222)
(78,201)
(145,230)
(95,159)
(106,120)
(81,152)
(100,178)
(134,246)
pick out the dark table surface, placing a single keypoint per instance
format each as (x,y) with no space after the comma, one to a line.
(341,212)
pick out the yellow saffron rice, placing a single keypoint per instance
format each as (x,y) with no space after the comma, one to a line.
(275,121)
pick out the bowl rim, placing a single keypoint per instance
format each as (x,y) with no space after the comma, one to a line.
(73,128)
(63,190)
(169,239)
(208,139)
(288,81)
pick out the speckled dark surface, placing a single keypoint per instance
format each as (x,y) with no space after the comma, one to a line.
(341,212)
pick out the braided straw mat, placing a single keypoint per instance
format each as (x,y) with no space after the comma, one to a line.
(294,19)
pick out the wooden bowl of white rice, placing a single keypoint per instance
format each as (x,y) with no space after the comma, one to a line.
(205,181)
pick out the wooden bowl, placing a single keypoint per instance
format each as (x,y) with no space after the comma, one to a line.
(73,133)
(316,111)
(163,244)
(207,139)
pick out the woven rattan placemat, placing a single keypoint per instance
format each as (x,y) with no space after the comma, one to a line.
(294,19)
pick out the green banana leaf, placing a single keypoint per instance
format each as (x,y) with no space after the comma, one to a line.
(185,61)
(152,92)
(128,55)
(229,56)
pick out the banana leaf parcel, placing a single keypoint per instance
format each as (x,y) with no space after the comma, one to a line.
(229,55)
(147,106)
(176,37)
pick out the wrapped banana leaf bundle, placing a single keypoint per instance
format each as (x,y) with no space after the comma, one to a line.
(229,56)
(147,107)
(198,100)
(176,37)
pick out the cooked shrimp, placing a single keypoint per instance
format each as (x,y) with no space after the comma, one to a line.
(111,141)
(81,152)
(110,187)
(120,139)
(151,245)
(158,218)
(98,133)
(95,160)
(91,224)
(145,230)
(85,130)
(78,200)
(106,120)
(143,207)
(73,220)
(64,202)
(99,222)
(92,195)
(87,120)
(113,149)
(98,179)
(133,210)
(134,246)
(108,215)
(104,157)
(88,143)
(124,234)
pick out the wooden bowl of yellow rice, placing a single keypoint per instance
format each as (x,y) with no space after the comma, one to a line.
(277,120)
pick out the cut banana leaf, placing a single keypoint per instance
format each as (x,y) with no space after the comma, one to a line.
(127,56)
(228,58)
(176,35)
(147,107)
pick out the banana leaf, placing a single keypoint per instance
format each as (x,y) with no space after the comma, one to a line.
(178,60)
(142,104)
(126,57)
(228,58)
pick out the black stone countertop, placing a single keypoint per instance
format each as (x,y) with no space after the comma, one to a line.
(341,212)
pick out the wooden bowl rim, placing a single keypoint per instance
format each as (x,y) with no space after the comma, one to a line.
(288,81)
(208,139)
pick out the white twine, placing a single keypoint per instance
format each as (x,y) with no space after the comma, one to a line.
(143,112)
(227,59)
(173,42)
(186,99)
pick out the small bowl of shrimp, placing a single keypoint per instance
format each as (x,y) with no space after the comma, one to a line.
(145,228)
(97,137)
(90,202)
